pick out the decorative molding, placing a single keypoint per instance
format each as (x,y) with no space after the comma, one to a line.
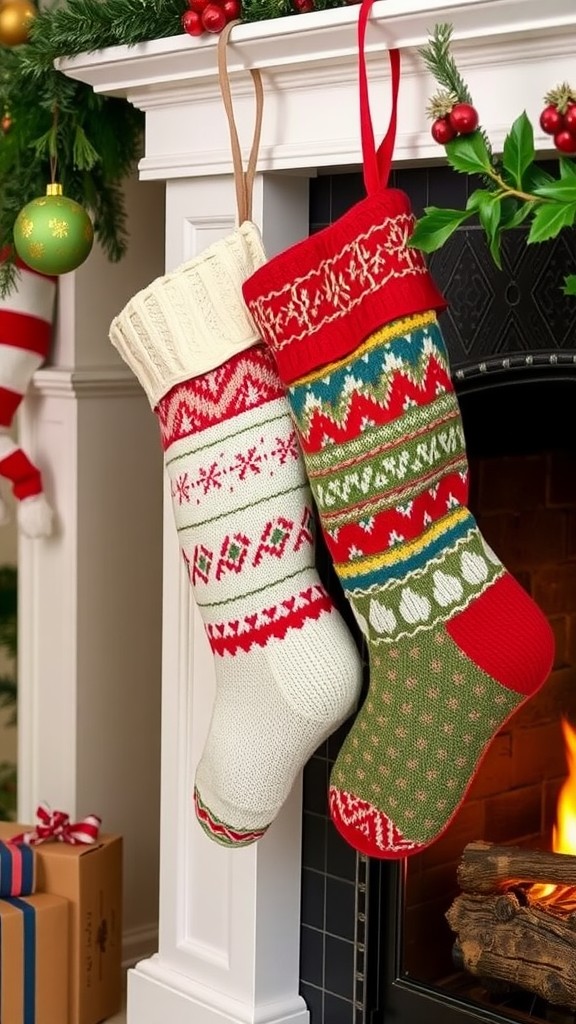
(102,382)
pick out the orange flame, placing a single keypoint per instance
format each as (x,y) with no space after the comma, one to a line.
(564,833)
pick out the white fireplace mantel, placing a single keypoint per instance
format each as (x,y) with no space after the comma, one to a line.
(510,51)
(229,920)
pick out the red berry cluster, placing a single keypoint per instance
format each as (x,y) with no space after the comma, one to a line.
(209,15)
(561,126)
(462,120)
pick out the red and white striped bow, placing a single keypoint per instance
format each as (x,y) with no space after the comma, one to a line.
(56,825)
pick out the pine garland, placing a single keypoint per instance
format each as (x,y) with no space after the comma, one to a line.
(95,141)
(83,26)
(264,10)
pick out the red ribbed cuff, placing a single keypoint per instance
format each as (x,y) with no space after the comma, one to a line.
(319,300)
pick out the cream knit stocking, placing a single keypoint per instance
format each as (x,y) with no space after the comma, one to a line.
(287,671)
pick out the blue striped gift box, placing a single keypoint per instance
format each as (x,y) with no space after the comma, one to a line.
(17,869)
(34,960)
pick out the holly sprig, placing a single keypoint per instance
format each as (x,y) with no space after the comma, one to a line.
(514,189)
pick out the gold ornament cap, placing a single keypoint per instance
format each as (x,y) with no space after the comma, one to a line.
(54,189)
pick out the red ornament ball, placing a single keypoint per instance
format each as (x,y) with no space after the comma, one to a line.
(551,120)
(570,119)
(303,6)
(198,6)
(232,9)
(463,118)
(192,23)
(565,142)
(442,131)
(213,18)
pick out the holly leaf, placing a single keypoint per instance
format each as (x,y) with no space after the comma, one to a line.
(469,153)
(518,151)
(476,198)
(490,212)
(563,190)
(567,168)
(570,285)
(514,219)
(549,221)
(535,176)
(435,228)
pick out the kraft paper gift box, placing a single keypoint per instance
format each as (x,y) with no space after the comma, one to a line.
(90,877)
(34,960)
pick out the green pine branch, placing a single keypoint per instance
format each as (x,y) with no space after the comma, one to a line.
(82,26)
(264,10)
(441,64)
(96,140)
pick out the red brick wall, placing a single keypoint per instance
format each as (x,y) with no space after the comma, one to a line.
(526,508)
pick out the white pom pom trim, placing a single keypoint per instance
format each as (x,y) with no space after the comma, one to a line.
(35,516)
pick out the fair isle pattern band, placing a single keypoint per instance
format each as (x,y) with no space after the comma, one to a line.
(409,603)
(224,469)
(246,381)
(339,284)
(390,376)
(365,819)
(229,637)
(385,448)
(223,834)
(312,303)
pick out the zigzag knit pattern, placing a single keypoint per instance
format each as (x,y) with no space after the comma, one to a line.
(243,512)
(455,644)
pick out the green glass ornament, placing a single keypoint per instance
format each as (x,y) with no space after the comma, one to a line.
(53,234)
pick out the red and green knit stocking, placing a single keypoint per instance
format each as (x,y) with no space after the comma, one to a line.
(455,644)
(243,512)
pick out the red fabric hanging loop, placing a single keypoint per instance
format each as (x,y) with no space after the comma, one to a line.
(377,163)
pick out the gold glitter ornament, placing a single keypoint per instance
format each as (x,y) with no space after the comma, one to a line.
(16,17)
(53,234)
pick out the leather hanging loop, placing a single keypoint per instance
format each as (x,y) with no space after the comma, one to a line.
(243,180)
(377,163)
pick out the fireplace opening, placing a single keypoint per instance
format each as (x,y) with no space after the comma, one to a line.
(523,493)
(376,945)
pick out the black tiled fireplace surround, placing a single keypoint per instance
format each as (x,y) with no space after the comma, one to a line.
(501,327)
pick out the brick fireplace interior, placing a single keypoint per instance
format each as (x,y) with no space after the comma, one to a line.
(375,945)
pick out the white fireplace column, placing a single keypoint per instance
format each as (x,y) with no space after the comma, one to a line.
(229,920)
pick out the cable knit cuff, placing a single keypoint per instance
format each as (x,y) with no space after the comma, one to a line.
(192,320)
(321,298)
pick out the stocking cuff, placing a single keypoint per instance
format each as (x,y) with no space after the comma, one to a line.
(192,320)
(321,298)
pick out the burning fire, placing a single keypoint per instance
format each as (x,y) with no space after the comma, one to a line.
(564,834)
(564,831)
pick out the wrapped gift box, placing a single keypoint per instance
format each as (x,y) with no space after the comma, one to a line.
(90,877)
(17,869)
(34,960)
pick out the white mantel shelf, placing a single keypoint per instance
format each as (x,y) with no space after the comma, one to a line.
(230,920)
(510,52)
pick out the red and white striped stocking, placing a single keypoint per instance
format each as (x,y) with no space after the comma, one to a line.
(26,317)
